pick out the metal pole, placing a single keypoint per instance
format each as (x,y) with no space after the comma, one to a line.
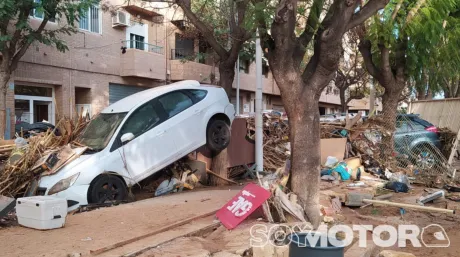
(259,129)
(238,86)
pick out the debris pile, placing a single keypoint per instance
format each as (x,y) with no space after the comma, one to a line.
(45,152)
(447,138)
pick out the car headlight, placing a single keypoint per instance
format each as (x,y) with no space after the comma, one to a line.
(63,184)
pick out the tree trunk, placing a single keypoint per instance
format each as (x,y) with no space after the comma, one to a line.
(305,153)
(220,161)
(4,78)
(343,101)
(390,100)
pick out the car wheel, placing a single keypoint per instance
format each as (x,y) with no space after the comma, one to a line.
(107,188)
(426,158)
(217,135)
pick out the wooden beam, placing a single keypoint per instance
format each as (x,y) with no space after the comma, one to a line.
(155,232)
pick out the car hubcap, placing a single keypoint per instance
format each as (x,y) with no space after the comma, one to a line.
(426,160)
(108,192)
(219,135)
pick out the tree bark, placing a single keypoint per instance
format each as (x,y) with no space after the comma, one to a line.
(343,100)
(305,154)
(390,100)
(4,78)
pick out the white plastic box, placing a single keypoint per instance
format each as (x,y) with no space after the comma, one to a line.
(41,212)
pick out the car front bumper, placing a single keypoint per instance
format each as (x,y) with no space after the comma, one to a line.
(75,195)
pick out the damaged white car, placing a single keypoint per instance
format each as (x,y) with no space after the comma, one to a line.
(140,135)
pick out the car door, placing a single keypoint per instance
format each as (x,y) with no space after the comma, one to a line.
(152,146)
(183,120)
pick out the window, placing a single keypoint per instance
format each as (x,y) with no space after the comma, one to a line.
(198,94)
(265,70)
(416,125)
(33,91)
(39,14)
(137,41)
(91,20)
(244,66)
(142,120)
(402,126)
(175,102)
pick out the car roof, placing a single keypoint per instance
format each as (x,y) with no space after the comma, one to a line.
(129,102)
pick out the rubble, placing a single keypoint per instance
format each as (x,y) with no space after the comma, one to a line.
(18,173)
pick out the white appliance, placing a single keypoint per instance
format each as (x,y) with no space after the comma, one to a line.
(41,212)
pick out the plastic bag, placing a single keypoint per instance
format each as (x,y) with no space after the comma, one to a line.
(166,187)
(331,161)
(397,187)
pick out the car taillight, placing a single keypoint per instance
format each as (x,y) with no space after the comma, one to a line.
(432,129)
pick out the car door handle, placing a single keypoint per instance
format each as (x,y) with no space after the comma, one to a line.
(159,133)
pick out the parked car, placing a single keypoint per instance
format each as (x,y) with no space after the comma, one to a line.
(140,135)
(417,138)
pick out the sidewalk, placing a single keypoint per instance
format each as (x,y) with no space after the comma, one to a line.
(99,228)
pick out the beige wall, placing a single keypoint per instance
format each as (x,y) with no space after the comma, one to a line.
(139,63)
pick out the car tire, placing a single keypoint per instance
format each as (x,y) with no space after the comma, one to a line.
(107,188)
(217,135)
(426,157)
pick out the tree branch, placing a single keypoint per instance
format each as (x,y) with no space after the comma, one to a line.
(26,42)
(396,10)
(312,23)
(365,48)
(206,32)
(414,10)
(366,12)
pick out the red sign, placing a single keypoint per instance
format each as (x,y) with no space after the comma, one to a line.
(242,205)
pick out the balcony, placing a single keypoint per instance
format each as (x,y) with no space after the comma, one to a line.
(143,60)
(184,67)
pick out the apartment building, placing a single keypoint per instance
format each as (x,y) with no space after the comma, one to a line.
(112,57)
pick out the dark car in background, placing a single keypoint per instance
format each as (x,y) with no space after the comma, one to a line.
(417,140)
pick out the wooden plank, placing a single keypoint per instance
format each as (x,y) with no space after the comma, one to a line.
(193,233)
(163,229)
(217,175)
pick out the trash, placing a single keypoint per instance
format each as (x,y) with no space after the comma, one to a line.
(342,169)
(41,212)
(20,142)
(397,187)
(380,197)
(397,177)
(358,184)
(331,161)
(336,204)
(356,198)
(291,207)
(327,178)
(430,197)
(6,205)
(167,187)
(328,219)
(86,239)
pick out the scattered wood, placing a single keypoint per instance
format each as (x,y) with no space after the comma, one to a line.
(18,171)
(155,232)
(219,176)
(410,206)
(193,233)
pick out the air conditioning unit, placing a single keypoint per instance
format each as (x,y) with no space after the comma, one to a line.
(121,19)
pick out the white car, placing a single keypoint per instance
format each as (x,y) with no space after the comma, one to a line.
(140,135)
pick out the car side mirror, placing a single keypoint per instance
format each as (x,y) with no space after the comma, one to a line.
(125,138)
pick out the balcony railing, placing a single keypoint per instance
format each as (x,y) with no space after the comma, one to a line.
(180,54)
(133,44)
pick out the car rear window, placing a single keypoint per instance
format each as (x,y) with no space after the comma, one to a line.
(422,122)
(198,94)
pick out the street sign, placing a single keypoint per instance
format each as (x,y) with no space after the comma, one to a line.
(242,205)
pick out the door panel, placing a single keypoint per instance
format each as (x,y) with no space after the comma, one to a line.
(152,146)
(184,120)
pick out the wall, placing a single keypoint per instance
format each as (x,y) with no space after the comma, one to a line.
(138,29)
(443,113)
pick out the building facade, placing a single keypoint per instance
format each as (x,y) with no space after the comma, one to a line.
(113,56)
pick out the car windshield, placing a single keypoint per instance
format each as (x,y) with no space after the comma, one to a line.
(100,130)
